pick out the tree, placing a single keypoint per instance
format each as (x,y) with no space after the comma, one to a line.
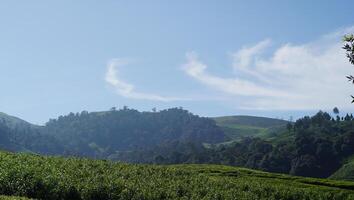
(349,48)
(289,126)
(305,165)
(335,110)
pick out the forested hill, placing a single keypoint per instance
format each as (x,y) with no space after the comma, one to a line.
(99,134)
(13,122)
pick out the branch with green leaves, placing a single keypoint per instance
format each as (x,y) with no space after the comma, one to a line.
(349,48)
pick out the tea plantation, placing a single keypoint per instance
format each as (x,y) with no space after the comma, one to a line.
(39,177)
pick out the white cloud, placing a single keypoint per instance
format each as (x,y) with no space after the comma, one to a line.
(235,86)
(126,89)
(302,76)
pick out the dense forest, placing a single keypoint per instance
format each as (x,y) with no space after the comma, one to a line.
(100,134)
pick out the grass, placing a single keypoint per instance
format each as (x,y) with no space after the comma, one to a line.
(54,178)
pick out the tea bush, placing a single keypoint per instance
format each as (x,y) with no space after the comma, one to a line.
(55,178)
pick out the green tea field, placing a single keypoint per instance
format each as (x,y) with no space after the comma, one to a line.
(39,177)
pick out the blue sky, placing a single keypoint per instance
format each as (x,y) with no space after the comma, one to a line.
(268,58)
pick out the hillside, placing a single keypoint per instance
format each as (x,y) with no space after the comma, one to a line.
(254,121)
(14,122)
(18,135)
(83,179)
(104,133)
(100,134)
(346,172)
(237,127)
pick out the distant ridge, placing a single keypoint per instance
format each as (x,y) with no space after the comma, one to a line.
(14,122)
(239,126)
(247,120)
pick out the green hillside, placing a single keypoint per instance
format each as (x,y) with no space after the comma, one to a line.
(262,122)
(54,178)
(236,127)
(15,122)
(346,172)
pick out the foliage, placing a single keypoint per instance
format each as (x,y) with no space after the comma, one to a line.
(335,110)
(69,178)
(349,48)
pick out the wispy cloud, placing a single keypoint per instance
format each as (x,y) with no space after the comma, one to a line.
(295,76)
(126,89)
(234,86)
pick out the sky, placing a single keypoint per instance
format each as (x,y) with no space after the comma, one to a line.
(268,58)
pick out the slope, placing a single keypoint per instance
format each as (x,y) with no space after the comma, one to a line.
(237,127)
(15,122)
(346,172)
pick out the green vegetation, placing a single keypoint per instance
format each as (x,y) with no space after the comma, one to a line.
(312,146)
(238,127)
(346,172)
(69,178)
(262,122)
(12,198)
(349,48)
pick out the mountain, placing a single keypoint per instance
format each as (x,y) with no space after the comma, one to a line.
(45,177)
(100,134)
(104,133)
(237,127)
(18,135)
(18,127)
(13,122)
